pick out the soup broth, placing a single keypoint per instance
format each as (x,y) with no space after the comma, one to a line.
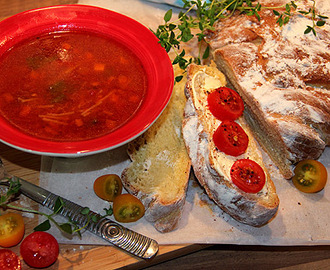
(70,86)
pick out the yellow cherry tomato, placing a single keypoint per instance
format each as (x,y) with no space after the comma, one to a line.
(108,187)
(127,208)
(310,176)
(12,229)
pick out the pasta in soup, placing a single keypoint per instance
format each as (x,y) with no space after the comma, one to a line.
(70,86)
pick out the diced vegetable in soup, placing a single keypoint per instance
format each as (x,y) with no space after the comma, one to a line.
(70,86)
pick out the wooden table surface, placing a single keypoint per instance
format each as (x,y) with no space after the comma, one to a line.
(194,256)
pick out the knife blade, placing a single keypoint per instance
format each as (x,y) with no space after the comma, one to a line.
(118,235)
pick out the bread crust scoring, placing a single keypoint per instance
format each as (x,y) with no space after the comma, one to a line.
(283,76)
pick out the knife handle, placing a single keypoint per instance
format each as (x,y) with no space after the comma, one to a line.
(124,238)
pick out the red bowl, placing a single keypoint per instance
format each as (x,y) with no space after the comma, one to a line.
(125,30)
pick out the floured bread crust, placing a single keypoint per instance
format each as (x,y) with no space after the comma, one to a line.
(283,76)
(211,166)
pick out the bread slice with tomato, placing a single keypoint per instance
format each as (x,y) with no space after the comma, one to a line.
(160,168)
(225,157)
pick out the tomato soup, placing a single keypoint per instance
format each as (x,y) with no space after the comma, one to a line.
(70,86)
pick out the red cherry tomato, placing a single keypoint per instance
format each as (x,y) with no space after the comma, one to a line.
(310,176)
(9,260)
(225,104)
(11,229)
(39,249)
(230,138)
(247,175)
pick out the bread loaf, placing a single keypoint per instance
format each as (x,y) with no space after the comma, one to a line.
(211,166)
(283,76)
(159,172)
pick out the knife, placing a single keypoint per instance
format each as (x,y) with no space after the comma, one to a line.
(124,238)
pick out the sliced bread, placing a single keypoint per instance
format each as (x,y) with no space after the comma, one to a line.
(213,167)
(159,172)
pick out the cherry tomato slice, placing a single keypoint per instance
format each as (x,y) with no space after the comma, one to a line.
(247,175)
(108,187)
(9,260)
(225,104)
(39,249)
(310,176)
(230,138)
(11,229)
(127,208)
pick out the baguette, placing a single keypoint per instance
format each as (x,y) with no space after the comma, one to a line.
(159,172)
(283,76)
(211,166)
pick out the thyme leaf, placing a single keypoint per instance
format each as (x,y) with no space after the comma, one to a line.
(70,227)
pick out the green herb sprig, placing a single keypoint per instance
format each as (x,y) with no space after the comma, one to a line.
(70,227)
(200,16)
(317,19)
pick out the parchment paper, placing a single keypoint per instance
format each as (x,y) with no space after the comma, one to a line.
(302,219)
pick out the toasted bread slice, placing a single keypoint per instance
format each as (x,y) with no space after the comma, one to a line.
(159,172)
(211,166)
